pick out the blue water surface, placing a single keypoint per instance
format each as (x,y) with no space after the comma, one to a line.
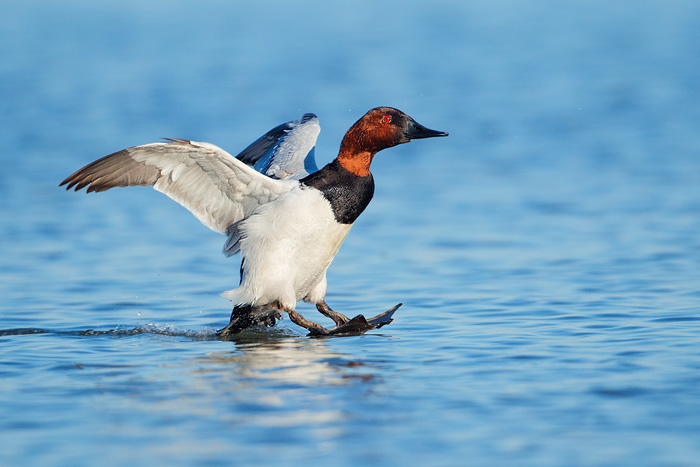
(547,253)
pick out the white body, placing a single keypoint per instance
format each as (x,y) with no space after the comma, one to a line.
(287,247)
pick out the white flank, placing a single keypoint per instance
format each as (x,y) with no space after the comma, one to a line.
(287,247)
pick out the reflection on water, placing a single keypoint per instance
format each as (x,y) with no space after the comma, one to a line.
(298,362)
(237,389)
(266,354)
(279,380)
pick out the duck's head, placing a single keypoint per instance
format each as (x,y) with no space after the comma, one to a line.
(380,128)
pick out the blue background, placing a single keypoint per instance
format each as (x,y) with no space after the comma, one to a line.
(547,252)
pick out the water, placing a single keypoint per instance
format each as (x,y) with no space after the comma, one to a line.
(547,252)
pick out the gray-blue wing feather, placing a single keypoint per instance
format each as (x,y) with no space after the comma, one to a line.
(286,151)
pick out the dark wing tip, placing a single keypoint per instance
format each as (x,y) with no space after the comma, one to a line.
(115,170)
(73,181)
(82,178)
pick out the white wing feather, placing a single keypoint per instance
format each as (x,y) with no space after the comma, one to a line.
(213,185)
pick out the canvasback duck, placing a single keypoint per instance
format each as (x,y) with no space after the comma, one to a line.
(288,222)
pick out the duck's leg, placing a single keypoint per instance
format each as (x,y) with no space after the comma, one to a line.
(314,328)
(325,310)
(358,325)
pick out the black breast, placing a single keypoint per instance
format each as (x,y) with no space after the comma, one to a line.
(349,194)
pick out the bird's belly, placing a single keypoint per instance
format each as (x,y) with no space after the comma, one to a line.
(287,247)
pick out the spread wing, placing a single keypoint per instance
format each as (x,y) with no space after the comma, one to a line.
(287,151)
(218,189)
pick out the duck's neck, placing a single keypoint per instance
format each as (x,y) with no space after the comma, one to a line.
(355,153)
(347,193)
(356,162)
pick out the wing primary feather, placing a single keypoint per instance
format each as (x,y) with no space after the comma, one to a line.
(218,189)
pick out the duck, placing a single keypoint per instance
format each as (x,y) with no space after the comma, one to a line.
(285,217)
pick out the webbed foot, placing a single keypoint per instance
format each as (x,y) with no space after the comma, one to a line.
(360,325)
(356,326)
(246,316)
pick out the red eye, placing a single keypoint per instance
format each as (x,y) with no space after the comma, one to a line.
(387,118)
